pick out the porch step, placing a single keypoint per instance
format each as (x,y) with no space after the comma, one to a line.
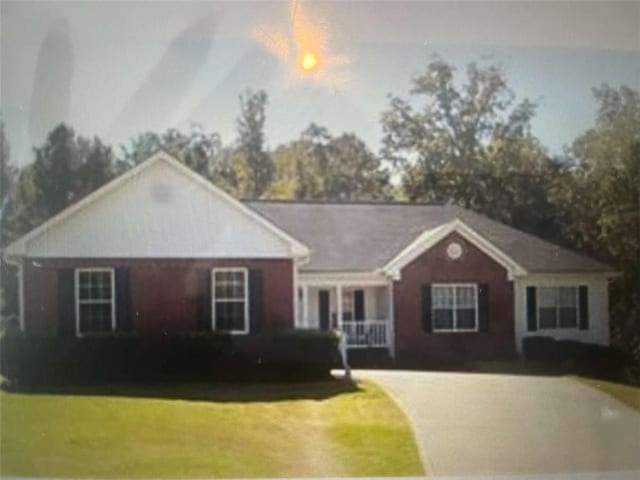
(369,358)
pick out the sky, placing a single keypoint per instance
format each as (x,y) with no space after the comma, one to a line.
(116,69)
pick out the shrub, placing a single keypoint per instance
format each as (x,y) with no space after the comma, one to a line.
(40,360)
(304,351)
(539,349)
(578,357)
(58,360)
(570,351)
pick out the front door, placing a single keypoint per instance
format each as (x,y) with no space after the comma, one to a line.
(323,309)
(358,305)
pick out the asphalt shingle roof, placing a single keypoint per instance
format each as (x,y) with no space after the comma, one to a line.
(362,237)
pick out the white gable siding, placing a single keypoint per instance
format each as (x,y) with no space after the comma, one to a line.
(598,331)
(160,212)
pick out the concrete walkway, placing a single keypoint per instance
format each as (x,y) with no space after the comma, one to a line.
(486,424)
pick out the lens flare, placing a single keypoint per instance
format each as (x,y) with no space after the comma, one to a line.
(308,61)
(304,48)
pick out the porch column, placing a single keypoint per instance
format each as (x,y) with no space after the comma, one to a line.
(305,305)
(391,338)
(339,305)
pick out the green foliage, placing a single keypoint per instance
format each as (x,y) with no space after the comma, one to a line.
(318,166)
(8,176)
(604,202)
(252,164)
(471,145)
(201,151)
(8,171)
(66,168)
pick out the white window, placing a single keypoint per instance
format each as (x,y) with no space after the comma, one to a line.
(95,300)
(454,307)
(230,295)
(557,307)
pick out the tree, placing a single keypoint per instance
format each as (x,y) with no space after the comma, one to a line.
(8,173)
(604,201)
(319,166)
(470,145)
(54,169)
(253,166)
(66,168)
(201,151)
(195,148)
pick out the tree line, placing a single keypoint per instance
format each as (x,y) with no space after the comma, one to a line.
(469,144)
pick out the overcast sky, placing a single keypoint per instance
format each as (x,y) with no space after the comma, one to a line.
(114,69)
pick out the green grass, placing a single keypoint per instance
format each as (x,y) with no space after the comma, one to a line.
(627,394)
(199,430)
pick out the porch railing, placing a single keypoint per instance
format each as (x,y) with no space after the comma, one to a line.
(366,333)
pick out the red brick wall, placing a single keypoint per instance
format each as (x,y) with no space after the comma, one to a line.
(163,291)
(414,344)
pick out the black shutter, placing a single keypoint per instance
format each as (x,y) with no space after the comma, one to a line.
(483,307)
(358,305)
(323,309)
(66,302)
(532,310)
(426,308)
(203,300)
(124,321)
(256,300)
(583,306)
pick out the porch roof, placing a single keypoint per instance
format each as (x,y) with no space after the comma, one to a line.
(360,237)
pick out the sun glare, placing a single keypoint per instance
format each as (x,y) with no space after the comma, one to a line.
(304,48)
(308,61)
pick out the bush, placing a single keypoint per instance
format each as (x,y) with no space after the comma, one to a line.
(42,360)
(539,349)
(578,357)
(303,351)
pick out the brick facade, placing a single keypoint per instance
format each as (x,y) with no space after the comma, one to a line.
(413,344)
(163,291)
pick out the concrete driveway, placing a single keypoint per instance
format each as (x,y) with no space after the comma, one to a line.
(486,424)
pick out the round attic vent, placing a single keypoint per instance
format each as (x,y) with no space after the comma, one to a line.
(161,193)
(454,250)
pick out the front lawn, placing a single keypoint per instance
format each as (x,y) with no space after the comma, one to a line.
(627,394)
(200,430)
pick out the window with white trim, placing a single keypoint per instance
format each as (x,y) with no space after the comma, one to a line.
(454,307)
(557,307)
(95,300)
(230,300)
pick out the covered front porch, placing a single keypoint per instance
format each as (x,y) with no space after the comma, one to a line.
(360,307)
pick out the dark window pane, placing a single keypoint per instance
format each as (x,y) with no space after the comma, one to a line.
(222,277)
(442,319)
(547,317)
(229,316)
(568,317)
(466,318)
(95,292)
(94,286)
(84,292)
(237,290)
(222,290)
(95,317)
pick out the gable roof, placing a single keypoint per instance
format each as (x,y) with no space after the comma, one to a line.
(369,236)
(21,246)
